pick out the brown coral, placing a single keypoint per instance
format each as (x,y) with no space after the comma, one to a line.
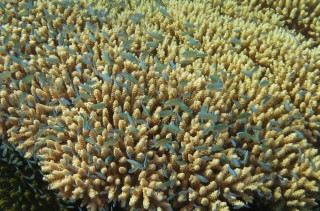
(192,107)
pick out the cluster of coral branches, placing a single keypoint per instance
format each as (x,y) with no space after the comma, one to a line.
(190,105)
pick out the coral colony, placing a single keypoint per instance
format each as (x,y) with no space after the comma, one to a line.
(164,105)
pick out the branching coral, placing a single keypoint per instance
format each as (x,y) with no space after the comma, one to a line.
(21,184)
(170,104)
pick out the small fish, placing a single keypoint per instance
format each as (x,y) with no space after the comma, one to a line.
(186,33)
(127,44)
(48,47)
(105,35)
(123,115)
(266,99)
(182,149)
(205,158)
(287,106)
(66,148)
(172,64)
(21,98)
(264,83)
(6,74)
(163,142)
(169,183)
(265,166)
(135,19)
(90,11)
(129,56)
(183,84)
(302,93)
(23,13)
(145,99)
(299,133)
(172,128)
(255,69)
(151,44)
(145,162)
(133,130)
(246,157)
(64,101)
(102,176)
(57,129)
(135,164)
(87,88)
(244,115)
(6,40)
(53,60)
(237,103)
(166,113)
(156,35)
(237,207)
(216,148)
(98,105)
(111,142)
(215,86)
(294,175)
(201,148)
(144,54)
(254,109)
(233,172)
(130,78)
(202,178)
(85,96)
(71,51)
(87,61)
(190,25)
(192,53)
(235,41)
(156,59)
(146,111)
(181,162)
(172,102)
(171,197)
(292,74)
(245,135)
(247,73)
(123,35)
(105,77)
(186,95)
(91,27)
(235,161)
(19,61)
(139,15)
(165,12)
(185,108)
(90,140)
(234,143)
(221,127)
(194,42)
(255,127)
(185,61)
(160,67)
(207,130)
(131,121)
(88,55)
(91,82)
(143,65)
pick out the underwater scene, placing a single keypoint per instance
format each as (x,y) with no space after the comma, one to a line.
(159,105)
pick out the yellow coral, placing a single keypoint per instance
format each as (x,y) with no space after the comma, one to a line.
(196,106)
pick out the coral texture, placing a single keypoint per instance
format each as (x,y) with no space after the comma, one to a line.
(205,105)
(22,187)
